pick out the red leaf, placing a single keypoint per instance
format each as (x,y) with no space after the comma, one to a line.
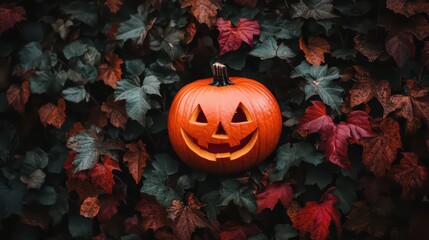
(400,45)
(204,11)
(89,207)
(230,37)
(315,49)
(108,208)
(113,5)
(97,117)
(277,191)
(315,118)
(409,174)
(370,50)
(111,71)
(101,174)
(136,157)
(116,111)
(53,115)
(379,152)
(408,8)
(153,215)
(334,143)
(315,217)
(132,225)
(18,96)
(234,231)
(10,14)
(190,31)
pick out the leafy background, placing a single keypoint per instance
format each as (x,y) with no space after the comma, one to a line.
(85,92)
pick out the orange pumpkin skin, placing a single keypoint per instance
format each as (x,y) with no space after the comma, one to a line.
(224,129)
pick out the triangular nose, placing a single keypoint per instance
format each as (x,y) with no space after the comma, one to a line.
(220,130)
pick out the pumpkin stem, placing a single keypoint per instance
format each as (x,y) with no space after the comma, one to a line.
(220,75)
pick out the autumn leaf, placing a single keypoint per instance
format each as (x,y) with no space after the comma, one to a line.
(234,231)
(108,207)
(315,118)
(101,175)
(369,49)
(407,7)
(53,115)
(276,191)
(10,14)
(314,50)
(400,46)
(113,5)
(89,207)
(18,96)
(204,11)
(417,25)
(317,9)
(230,37)
(136,157)
(379,152)
(111,71)
(116,112)
(186,219)
(409,174)
(315,217)
(97,117)
(153,215)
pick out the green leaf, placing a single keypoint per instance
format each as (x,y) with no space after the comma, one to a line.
(155,184)
(57,156)
(29,53)
(168,40)
(136,96)
(165,164)
(211,201)
(135,67)
(319,82)
(345,192)
(284,232)
(11,198)
(320,175)
(86,144)
(44,81)
(76,94)
(282,29)
(317,9)
(76,48)
(269,49)
(83,11)
(357,8)
(80,226)
(240,195)
(61,206)
(345,54)
(33,160)
(132,28)
(47,196)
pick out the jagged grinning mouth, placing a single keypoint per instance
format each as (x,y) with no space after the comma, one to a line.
(223,150)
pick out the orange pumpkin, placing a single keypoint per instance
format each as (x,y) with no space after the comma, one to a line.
(224,125)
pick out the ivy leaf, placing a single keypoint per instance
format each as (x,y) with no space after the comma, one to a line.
(315,217)
(43,81)
(101,175)
(136,157)
(320,175)
(276,191)
(76,94)
(135,67)
(35,180)
(345,192)
(319,82)
(269,49)
(317,9)
(29,54)
(33,160)
(409,174)
(115,111)
(211,202)
(11,198)
(18,96)
(240,195)
(132,28)
(315,49)
(135,95)
(111,71)
(230,38)
(10,14)
(83,11)
(89,207)
(204,11)
(53,115)
(407,8)
(282,29)
(153,215)
(108,207)
(113,5)
(401,47)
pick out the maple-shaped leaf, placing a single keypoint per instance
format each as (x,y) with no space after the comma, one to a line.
(409,174)
(113,5)
(18,96)
(314,50)
(276,191)
(136,157)
(89,207)
(269,49)
(186,219)
(230,37)
(153,215)
(424,56)
(240,195)
(407,7)
(101,175)
(370,50)
(116,112)
(204,11)
(315,118)
(319,82)
(111,71)
(10,14)
(413,108)
(400,46)
(50,114)
(134,28)
(380,151)
(317,9)
(371,218)
(234,231)
(365,88)
(108,207)
(315,217)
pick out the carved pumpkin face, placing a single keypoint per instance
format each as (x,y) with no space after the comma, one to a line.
(224,129)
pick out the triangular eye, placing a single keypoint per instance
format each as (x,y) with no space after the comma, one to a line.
(240,115)
(199,116)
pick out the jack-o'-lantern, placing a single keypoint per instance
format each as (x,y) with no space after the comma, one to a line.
(224,125)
